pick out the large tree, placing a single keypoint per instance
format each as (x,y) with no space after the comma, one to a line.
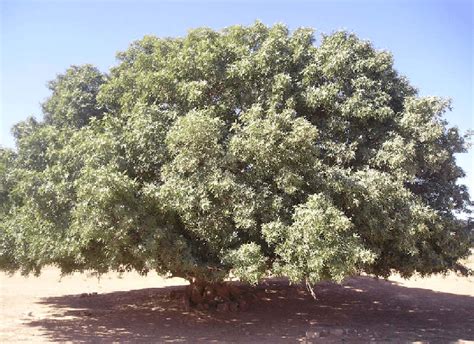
(251,151)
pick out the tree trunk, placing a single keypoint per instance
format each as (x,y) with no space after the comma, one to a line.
(221,296)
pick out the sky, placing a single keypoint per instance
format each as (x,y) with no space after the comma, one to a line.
(431,41)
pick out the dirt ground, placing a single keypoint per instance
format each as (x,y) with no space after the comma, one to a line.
(145,309)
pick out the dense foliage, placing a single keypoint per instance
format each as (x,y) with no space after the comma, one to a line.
(250,151)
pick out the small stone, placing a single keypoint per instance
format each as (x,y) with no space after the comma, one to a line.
(219,299)
(323,333)
(338,331)
(317,333)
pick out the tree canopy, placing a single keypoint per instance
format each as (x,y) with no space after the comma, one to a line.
(253,150)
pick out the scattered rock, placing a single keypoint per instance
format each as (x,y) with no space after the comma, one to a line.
(317,333)
(306,341)
(219,299)
(323,333)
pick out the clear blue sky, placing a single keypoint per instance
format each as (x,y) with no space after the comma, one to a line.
(432,41)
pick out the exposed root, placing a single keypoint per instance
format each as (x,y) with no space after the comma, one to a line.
(310,289)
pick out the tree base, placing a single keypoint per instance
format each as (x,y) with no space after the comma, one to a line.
(222,297)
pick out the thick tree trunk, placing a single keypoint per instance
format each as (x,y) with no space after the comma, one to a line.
(221,296)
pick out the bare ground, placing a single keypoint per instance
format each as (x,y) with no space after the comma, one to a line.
(148,309)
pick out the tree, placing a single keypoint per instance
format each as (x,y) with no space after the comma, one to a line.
(74,97)
(251,151)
